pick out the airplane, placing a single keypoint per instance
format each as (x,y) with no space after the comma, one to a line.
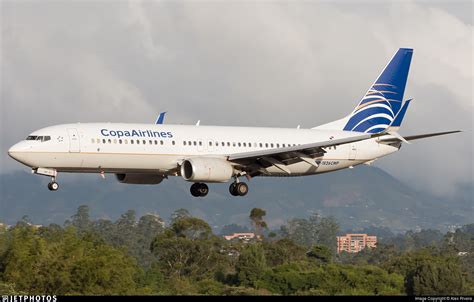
(150,153)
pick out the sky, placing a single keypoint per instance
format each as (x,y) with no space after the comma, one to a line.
(242,63)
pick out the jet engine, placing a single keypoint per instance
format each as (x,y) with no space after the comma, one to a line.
(201,169)
(139,178)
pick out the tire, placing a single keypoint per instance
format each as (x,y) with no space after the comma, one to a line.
(53,186)
(232,189)
(242,189)
(203,189)
(195,190)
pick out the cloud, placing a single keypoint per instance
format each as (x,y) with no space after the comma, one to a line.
(239,63)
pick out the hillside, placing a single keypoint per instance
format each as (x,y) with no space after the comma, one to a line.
(358,197)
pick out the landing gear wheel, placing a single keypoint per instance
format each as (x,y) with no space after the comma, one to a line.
(194,190)
(241,189)
(238,189)
(53,186)
(199,189)
(232,189)
(203,189)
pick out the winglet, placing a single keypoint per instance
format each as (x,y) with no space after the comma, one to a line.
(161,118)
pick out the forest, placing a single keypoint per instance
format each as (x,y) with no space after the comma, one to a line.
(146,256)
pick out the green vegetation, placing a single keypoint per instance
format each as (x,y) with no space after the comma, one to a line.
(142,256)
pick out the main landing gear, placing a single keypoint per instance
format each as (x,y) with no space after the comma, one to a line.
(199,189)
(238,189)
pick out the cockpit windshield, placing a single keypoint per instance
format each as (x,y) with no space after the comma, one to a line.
(42,138)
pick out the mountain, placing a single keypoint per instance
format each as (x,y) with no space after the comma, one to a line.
(360,197)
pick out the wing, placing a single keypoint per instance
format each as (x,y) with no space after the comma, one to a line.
(252,162)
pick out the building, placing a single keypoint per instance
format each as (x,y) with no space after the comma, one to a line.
(354,243)
(240,236)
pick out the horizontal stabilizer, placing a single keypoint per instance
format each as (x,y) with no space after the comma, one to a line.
(414,137)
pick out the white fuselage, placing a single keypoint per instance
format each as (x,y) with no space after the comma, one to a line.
(150,148)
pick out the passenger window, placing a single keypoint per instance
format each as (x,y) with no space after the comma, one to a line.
(109,141)
(260,145)
(104,141)
(151,142)
(266,145)
(138,142)
(200,143)
(31,138)
(126,142)
(223,144)
(120,141)
(173,143)
(115,141)
(184,143)
(233,144)
(278,145)
(189,143)
(228,144)
(283,146)
(194,143)
(210,143)
(131,141)
(93,140)
(161,142)
(144,142)
(245,144)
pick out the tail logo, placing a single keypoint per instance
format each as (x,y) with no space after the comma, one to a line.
(380,106)
(375,112)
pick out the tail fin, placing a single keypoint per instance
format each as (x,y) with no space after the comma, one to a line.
(381,107)
(397,122)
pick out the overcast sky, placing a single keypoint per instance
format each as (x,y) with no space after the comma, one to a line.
(241,63)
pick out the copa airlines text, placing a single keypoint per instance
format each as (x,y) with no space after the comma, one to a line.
(150,153)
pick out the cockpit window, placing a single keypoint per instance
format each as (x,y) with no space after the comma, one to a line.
(43,138)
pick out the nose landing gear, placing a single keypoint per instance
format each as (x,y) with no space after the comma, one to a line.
(53,185)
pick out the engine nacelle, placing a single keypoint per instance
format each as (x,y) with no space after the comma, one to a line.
(202,169)
(139,178)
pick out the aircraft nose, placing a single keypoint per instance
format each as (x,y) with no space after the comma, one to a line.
(13,150)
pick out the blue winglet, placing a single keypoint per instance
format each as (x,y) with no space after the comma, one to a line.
(161,118)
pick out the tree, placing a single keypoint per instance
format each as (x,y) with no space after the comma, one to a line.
(434,278)
(256,218)
(426,273)
(251,265)
(321,254)
(66,263)
(178,214)
(315,230)
(81,220)
(188,249)
(283,251)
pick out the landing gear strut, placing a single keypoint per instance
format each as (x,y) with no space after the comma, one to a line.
(199,189)
(238,189)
